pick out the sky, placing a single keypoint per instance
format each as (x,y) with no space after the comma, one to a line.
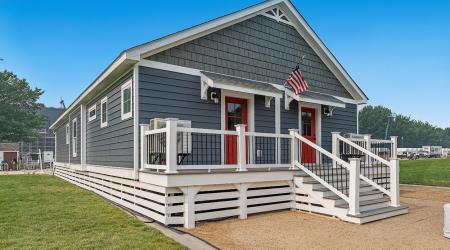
(398,51)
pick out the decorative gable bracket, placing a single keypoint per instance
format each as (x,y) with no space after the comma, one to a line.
(278,15)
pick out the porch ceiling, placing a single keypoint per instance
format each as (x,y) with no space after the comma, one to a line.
(214,80)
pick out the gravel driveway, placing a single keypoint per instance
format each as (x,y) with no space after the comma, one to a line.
(420,229)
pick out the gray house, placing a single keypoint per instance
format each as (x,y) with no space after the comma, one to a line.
(199,125)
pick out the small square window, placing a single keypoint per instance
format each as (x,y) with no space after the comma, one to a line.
(92,113)
(126,100)
(104,112)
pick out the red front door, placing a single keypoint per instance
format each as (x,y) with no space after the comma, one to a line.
(235,113)
(308,128)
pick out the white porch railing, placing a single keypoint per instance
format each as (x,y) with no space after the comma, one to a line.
(172,149)
(379,165)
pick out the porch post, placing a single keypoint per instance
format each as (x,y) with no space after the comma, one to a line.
(242,188)
(144,146)
(367,139)
(189,205)
(241,148)
(278,129)
(394,147)
(171,145)
(395,182)
(335,146)
(294,147)
(354,185)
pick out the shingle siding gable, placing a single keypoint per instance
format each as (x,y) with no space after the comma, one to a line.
(259,48)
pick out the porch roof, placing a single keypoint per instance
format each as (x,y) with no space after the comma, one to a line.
(320,98)
(214,80)
(312,97)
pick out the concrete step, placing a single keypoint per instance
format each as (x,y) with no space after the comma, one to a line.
(378,214)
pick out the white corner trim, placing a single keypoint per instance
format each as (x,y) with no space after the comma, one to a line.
(126,85)
(136,135)
(104,123)
(93,107)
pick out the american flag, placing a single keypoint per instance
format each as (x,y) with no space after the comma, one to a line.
(297,82)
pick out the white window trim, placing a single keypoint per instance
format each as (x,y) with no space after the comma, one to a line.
(103,124)
(74,138)
(126,85)
(93,107)
(67,133)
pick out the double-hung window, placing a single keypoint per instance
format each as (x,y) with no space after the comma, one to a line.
(104,112)
(74,137)
(126,100)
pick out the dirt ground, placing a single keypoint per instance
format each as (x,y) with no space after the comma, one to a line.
(421,228)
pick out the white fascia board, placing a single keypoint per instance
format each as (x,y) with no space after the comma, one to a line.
(120,60)
(322,51)
(184,36)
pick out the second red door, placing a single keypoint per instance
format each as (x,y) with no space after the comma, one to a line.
(308,127)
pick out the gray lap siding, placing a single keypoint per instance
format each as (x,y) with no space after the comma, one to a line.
(343,120)
(111,145)
(62,149)
(165,94)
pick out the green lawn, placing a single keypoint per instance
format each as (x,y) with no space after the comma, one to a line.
(434,172)
(44,212)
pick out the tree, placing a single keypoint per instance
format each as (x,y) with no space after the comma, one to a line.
(373,120)
(19,105)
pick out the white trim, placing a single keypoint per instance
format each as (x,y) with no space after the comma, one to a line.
(108,170)
(121,60)
(207,82)
(250,108)
(192,33)
(126,85)
(318,109)
(104,100)
(93,107)
(290,96)
(133,55)
(67,133)
(169,67)
(83,136)
(136,135)
(74,137)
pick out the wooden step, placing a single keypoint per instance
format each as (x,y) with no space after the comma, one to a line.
(367,193)
(324,189)
(369,205)
(378,214)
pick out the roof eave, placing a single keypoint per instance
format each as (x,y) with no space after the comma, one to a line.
(121,64)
